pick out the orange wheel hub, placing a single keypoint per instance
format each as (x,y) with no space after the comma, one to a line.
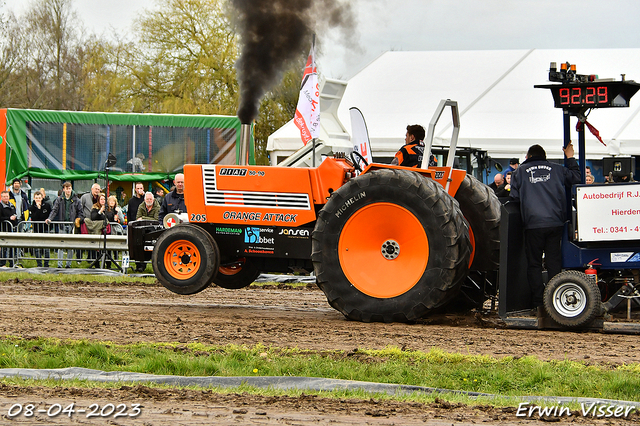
(383,250)
(182,259)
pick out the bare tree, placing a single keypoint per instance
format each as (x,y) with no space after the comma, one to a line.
(45,51)
(9,55)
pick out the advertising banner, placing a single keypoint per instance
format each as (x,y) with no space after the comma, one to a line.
(608,212)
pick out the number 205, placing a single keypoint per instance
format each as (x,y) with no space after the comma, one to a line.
(198,217)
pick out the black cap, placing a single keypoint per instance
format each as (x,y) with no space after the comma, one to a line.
(514,161)
(16,180)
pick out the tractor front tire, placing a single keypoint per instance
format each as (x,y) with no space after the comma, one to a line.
(572,299)
(185,259)
(390,245)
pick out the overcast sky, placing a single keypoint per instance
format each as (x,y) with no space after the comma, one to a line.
(434,25)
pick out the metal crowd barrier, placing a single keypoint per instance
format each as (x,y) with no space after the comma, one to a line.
(15,241)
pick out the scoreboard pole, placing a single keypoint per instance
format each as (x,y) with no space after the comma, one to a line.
(582,157)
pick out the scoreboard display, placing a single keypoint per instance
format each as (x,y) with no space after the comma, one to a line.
(605,94)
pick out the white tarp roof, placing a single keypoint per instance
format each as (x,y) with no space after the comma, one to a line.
(500,109)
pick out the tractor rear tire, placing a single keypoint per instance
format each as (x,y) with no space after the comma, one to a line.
(481,208)
(185,259)
(572,299)
(390,245)
(238,274)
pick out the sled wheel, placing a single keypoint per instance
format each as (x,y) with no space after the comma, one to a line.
(476,289)
(185,259)
(236,274)
(481,208)
(572,299)
(390,245)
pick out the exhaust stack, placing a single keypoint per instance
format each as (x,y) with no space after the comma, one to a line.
(245,144)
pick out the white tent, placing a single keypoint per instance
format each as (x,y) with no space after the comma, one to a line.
(501,111)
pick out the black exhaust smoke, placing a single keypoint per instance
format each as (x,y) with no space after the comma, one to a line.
(273,32)
(245,142)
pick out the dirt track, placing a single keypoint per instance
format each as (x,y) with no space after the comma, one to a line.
(282,317)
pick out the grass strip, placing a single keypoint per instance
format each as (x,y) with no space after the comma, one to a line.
(353,394)
(506,376)
(12,275)
(74,278)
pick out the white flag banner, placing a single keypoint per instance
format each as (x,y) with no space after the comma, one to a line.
(307,117)
(360,136)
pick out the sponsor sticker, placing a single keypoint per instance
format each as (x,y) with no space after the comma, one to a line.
(228,231)
(295,233)
(620,257)
(253,235)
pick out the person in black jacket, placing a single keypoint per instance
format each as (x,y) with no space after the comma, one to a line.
(39,212)
(540,186)
(504,190)
(19,199)
(65,209)
(100,221)
(8,221)
(135,201)
(174,201)
(498,181)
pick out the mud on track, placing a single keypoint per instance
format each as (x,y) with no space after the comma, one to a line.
(279,316)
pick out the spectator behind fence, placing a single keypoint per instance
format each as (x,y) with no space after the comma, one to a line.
(45,198)
(65,209)
(88,200)
(132,210)
(39,212)
(135,201)
(114,213)
(19,200)
(86,204)
(159,195)
(8,220)
(149,209)
(97,223)
(174,201)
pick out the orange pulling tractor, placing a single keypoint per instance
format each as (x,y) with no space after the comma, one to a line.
(389,244)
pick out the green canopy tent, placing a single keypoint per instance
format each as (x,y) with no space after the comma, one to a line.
(72,146)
